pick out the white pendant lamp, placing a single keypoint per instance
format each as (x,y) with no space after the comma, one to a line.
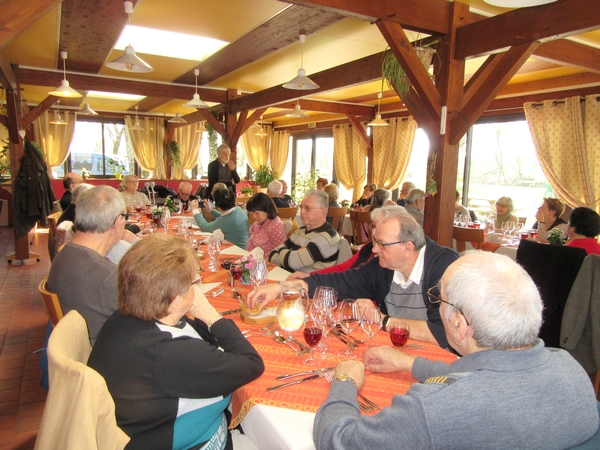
(378,121)
(130,62)
(517,3)
(200,128)
(195,102)
(261,132)
(177,119)
(86,110)
(301,82)
(64,90)
(57,119)
(136,126)
(297,112)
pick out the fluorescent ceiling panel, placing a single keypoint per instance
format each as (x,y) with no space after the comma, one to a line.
(168,43)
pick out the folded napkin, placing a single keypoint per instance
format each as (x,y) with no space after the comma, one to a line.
(216,235)
(493,238)
(257,253)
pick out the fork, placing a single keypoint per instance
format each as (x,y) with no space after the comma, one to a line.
(266,329)
(365,405)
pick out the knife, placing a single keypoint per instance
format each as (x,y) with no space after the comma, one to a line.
(310,372)
(301,380)
(230,311)
(303,347)
(343,339)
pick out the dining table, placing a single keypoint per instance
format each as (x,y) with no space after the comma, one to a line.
(283,419)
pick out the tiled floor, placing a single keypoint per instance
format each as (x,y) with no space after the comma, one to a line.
(22,331)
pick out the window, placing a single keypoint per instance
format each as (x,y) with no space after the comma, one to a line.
(101,147)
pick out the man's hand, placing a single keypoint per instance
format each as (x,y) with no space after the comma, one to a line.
(231,164)
(387,360)
(297,276)
(263,295)
(363,304)
(353,369)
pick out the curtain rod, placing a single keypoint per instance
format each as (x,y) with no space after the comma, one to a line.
(558,102)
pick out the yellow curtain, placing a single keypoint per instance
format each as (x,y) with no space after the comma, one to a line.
(392,146)
(54,140)
(256,148)
(148,144)
(566,136)
(189,139)
(280,147)
(350,158)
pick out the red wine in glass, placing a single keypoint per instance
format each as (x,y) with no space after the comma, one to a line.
(236,272)
(138,208)
(312,335)
(399,336)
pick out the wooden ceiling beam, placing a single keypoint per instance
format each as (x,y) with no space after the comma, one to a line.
(88,32)
(330,107)
(581,80)
(274,34)
(360,130)
(481,92)
(18,15)
(570,54)
(253,118)
(99,83)
(40,109)
(353,73)
(8,80)
(149,103)
(408,59)
(559,19)
(430,17)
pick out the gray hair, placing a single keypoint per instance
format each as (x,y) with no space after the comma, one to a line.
(321,196)
(97,209)
(410,230)
(185,183)
(387,211)
(380,198)
(78,190)
(333,192)
(275,187)
(408,185)
(414,195)
(498,298)
(509,202)
(223,148)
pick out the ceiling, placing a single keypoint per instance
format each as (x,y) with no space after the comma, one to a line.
(263,53)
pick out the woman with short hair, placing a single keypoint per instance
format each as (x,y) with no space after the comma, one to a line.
(230,219)
(505,209)
(268,230)
(170,376)
(548,218)
(583,229)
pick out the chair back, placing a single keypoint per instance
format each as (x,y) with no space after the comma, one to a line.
(344,251)
(360,224)
(553,268)
(51,303)
(52,226)
(464,235)
(337,215)
(79,410)
(287,213)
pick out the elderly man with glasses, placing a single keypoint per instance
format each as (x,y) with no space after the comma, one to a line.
(184,195)
(407,265)
(507,391)
(313,246)
(81,274)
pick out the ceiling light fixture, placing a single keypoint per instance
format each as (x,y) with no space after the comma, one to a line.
(64,90)
(517,3)
(378,121)
(301,82)
(297,111)
(195,102)
(136,126)
(129,62)
(57,119)
(177,119)
(261,132)
(86,110)
(200,128)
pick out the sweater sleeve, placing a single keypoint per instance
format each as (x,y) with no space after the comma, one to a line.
(341,267)
(292,256)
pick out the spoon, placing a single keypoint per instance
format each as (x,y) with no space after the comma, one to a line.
(282,340)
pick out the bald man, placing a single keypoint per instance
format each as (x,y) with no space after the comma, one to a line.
(184,194)
(70,180)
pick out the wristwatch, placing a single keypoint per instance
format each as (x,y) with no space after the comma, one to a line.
(385,323)
(346,378)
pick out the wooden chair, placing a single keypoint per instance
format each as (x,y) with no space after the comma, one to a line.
(52,226)
(51,303)
(464,235)
(337,215)
(361,221)
(287,213)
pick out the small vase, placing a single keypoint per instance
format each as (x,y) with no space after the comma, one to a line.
(246,277)
(157,220)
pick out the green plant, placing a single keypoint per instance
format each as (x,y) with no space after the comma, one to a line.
(115,166)
(393,73)
(5,161)
(303,183)
(264,175)
(555,237)
(173,154)
(169,203)
(156,212)
(247,190)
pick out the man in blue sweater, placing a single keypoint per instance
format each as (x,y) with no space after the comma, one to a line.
(507,391)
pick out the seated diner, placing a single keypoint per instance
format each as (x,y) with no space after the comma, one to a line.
(505,211)
(548,218)
(583,230)
(268,230)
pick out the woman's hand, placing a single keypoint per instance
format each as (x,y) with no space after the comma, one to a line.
(201,308)
(539,216)
(207,207)
(263,295)
(193,205)
(297,276)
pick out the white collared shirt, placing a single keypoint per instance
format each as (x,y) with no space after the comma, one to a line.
(415,275)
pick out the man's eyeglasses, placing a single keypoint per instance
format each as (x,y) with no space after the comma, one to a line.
(434,297)
(309,208)
(125,216)
(383,245)
(198,281)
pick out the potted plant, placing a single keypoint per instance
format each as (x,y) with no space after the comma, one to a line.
(173,154)
(264,175)
(156,212)
(248,190)
(555,237)
(84,174)
(116,166)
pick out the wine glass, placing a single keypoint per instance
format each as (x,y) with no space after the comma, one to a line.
(312,335)
(166,218)
(236,273)
(504,227)
(399,333)
(259,273)
(348,317)
(370,322)
(214,250)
